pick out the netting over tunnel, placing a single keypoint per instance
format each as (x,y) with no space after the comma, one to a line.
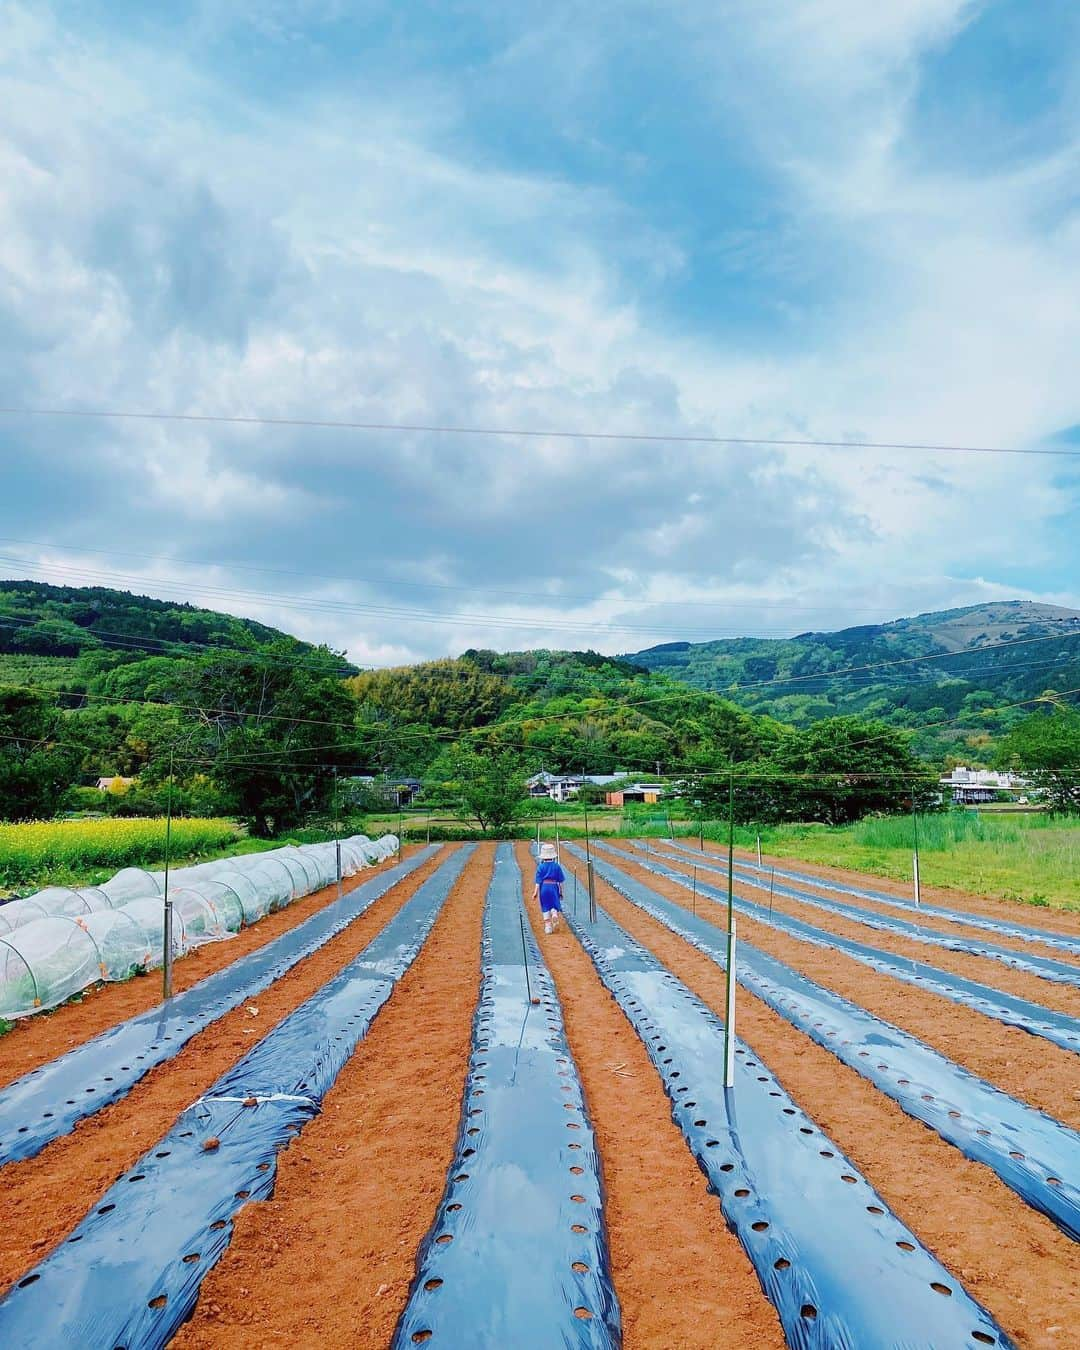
(55,943)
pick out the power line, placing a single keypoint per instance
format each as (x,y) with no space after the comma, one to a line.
(683,692)
(453,618)
(546,596)
(672,438)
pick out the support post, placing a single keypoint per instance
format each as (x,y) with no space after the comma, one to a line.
(525,957)
(772,888)
(337,831)
(759,852)
(167,925)
(729,1027)
(915,858)
(693,898)
(592,890)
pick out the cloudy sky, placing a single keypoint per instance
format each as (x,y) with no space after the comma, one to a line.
(811,219)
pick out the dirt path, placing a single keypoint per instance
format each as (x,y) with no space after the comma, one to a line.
(328,1259)
(1010,1258)
(676,1267)
(36,1040)
(1025,1066)
(983,906)
(1059,997)
(45,1196)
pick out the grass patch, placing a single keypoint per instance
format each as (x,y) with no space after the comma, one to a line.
(1030,858)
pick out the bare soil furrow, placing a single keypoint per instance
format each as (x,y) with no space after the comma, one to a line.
(45,1196)
(328,1259)
(1009,1257)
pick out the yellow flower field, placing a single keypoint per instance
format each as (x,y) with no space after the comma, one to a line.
(61,849)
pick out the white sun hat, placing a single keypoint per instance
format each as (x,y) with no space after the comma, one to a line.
(547,851)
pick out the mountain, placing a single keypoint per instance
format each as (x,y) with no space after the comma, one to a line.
(44,628)
(941,674)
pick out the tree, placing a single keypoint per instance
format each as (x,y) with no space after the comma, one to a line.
(35,770)
(837,770)
(1046,748)
(491,787)
(268,729)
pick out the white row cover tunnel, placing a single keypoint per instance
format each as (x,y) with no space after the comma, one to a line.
(57,942)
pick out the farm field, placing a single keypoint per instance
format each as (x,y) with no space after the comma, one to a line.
(88,851)
(1029,857)
(445,1126)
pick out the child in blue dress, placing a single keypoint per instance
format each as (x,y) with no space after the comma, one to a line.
(548,888)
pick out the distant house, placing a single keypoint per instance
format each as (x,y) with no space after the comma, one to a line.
(970,787)
(561,787)
(648,793)
(117,783)
(404,790)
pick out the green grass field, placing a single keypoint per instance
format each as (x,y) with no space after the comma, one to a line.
(1032,858)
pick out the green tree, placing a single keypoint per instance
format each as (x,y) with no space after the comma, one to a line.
(35,768)
(270,732)
(1046,748)
(491,787)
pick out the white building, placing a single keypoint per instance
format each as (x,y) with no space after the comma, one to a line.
(560,787)
(971,786)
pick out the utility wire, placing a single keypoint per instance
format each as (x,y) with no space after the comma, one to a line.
(682,693)
(672,438)
(547,597)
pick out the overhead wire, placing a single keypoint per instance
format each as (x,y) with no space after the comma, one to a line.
(530,433)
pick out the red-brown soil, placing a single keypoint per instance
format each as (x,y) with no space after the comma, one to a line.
(36,1040)
(328,1259)
(1010,1258)
(675,1265)
(1023,1065)
(45,1196)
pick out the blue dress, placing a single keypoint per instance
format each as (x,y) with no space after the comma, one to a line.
(549,876)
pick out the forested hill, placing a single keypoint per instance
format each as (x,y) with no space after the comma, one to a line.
(981,657)
(38,620)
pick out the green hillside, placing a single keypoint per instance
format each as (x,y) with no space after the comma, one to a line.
(980,657)
(39,623)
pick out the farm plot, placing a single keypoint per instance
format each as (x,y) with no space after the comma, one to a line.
(1000,925)
(438,1157)
(133,1277)
(1059,1028)
(57,942)
(1033,1154)
(1018,956)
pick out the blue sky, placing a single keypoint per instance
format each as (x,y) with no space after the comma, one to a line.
(775,218)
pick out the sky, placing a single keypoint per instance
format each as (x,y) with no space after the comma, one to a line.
(774,219)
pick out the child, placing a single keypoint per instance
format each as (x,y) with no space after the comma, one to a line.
(548,888)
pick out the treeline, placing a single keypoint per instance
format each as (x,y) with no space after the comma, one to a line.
(273,735)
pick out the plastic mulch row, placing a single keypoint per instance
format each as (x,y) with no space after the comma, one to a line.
(517,1255)
(129,1274)
(49,1101)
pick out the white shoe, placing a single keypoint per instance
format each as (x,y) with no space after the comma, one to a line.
(547,927)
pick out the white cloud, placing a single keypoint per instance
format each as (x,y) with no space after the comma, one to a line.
(165,244)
